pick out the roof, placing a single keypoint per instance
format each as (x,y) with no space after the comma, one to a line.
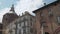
(53,3)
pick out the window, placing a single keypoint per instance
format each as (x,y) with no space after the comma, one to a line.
(19,31)
(6,15)
(6,19)
(26,23)
(10,31)
(31,30)
(22,23)
(50,12)
(58,18)
(42,14)
(43,23)
(24,31)
(35,31)
(26,17)
(22,18)
(19,24)
(31,23)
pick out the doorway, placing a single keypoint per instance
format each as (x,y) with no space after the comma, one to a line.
(46,33)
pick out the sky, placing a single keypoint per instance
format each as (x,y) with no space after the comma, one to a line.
(21,6)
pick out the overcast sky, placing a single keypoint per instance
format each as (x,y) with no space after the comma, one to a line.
(21,6)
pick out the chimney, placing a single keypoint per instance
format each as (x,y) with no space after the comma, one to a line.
(44,4)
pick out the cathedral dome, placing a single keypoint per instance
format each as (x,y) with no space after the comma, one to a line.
(10,16)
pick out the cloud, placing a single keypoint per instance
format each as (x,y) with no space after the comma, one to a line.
(28,5)
(22,6)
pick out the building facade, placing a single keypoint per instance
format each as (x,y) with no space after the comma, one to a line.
(48,18)
(25,24)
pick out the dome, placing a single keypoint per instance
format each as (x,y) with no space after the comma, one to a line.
(10,16)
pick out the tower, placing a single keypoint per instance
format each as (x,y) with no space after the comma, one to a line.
(8,18)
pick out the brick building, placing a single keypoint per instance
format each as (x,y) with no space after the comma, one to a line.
(48,18)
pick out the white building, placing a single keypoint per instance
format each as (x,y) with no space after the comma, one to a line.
(25,24)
